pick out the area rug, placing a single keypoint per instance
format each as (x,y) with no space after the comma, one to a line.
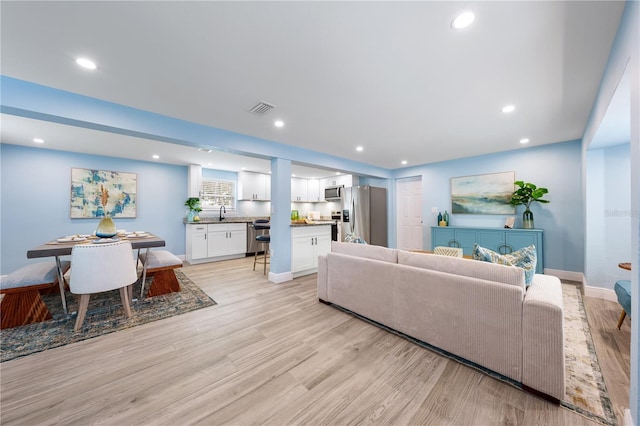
(586,393)
(104,315)
(585,390)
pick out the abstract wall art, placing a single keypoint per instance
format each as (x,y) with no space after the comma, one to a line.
(94,193)
(483,194)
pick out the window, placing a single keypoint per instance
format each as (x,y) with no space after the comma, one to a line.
(215,193)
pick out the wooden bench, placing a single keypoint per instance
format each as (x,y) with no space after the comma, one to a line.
(22,303)
(160,265)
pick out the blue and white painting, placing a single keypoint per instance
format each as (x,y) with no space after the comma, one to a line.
(94,193)
(483,194)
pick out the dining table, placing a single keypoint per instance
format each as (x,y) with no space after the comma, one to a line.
(63,247)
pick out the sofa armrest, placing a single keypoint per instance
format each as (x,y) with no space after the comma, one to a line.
(323,273)
(543,366)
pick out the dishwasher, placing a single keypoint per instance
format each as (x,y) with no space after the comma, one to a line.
(252,244)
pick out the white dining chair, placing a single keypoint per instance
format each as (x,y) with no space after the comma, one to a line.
(96,268)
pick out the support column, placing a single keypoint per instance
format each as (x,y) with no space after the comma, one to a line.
(280,268)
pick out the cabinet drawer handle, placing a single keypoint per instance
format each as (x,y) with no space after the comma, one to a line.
(505,249)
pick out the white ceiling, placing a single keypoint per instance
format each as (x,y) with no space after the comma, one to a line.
(390,76)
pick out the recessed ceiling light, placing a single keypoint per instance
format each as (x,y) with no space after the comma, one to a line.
(86,63)
(279,123)
(244,168)
(293,175)
(155,156)
(209,164)
(524,140)
(38,140)
(338,173)
(463,20)
(508,108)
(359,148)
(404,162)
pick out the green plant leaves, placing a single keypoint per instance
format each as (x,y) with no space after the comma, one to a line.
(527,193)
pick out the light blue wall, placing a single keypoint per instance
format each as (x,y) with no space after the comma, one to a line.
(35,198)
(608,215)
(625,57)
(555,166)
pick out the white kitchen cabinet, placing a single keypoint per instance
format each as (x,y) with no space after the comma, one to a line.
(338,180)
(196,242)
(208,243)
(313,191)
(254,186)
(307,243)
(298,190)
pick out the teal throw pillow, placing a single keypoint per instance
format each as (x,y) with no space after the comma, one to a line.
(525,258)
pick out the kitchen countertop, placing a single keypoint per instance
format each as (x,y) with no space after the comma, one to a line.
(322,223)
(228,219)
(214,220)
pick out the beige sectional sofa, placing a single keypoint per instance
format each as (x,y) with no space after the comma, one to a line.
(478,311)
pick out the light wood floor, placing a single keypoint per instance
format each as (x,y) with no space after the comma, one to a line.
(271,354)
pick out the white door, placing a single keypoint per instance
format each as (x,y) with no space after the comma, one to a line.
(409,213)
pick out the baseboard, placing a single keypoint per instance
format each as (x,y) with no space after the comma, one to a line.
(628,420)
(565,275)
(600,293)
(280,278)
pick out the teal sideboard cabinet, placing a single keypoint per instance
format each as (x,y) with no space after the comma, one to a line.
(501,240)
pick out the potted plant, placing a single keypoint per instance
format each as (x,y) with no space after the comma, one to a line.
(526,194)
(194,208)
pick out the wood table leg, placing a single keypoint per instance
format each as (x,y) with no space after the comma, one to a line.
(164,281)
(22,308)
(623,314)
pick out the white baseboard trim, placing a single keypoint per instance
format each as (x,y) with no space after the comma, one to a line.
(280,278)
(628,420)
(600,293)
(565,275)
(595,292)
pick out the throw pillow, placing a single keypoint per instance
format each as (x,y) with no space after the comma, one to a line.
(353,238)
(525,258)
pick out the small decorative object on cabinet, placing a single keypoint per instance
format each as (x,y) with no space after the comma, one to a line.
(527,194)
(194,208)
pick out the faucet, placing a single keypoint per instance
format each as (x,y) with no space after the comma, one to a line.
(222,210)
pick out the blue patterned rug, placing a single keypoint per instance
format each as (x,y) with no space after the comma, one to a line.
(104,315)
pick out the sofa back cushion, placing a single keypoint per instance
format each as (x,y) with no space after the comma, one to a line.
(467,267)
(365,250)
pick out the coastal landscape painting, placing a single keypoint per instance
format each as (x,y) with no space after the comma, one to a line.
(483,194)
(96,193)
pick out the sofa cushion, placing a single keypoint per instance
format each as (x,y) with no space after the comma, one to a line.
(365,250)
(524,258)
(466,267)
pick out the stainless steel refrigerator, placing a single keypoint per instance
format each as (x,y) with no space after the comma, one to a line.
(365,214)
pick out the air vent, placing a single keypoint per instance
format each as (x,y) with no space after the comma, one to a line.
(204,149)
(262,108)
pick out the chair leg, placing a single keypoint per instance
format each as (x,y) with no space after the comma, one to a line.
(124,296)
(623,314)
(83,303)
(255,259)
(266,253)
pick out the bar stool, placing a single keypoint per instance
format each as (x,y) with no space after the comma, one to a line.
(264,239)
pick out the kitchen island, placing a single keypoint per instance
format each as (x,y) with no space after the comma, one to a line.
(308,241)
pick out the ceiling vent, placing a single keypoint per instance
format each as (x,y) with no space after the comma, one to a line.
(204,149)
(262,108)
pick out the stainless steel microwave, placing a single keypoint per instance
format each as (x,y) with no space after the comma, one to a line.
(333,192)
